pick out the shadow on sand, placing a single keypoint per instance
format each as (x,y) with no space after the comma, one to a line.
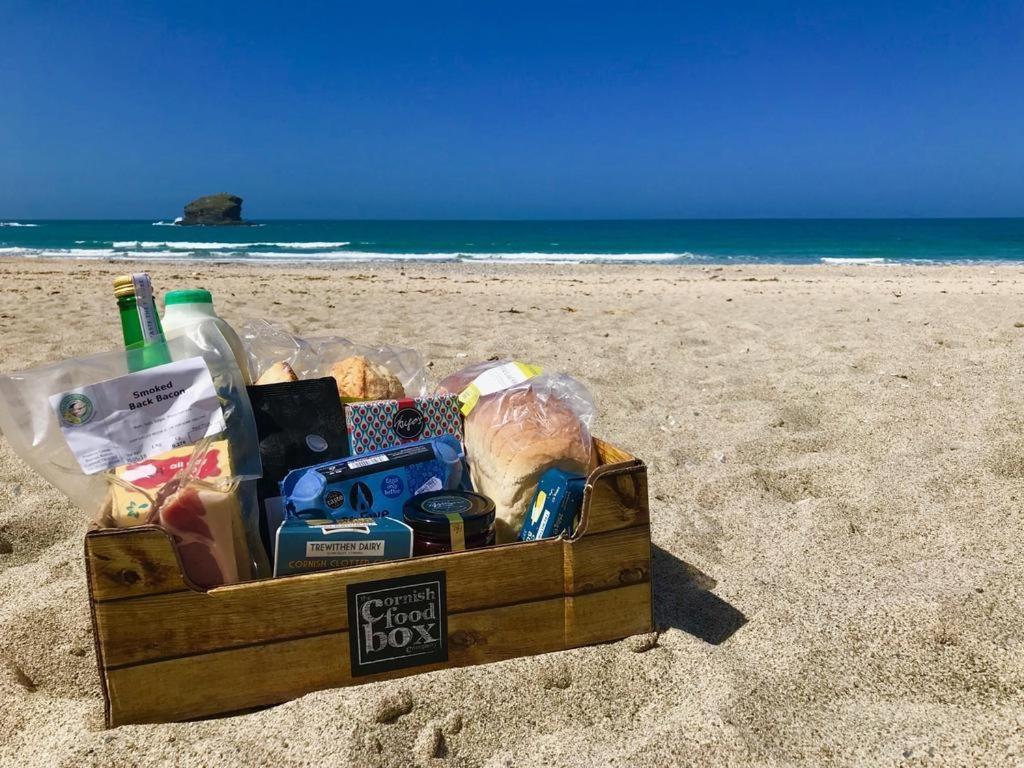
(683,600)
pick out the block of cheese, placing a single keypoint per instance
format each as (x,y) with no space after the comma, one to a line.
(131,507)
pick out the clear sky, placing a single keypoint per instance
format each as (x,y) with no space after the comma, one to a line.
(512,110)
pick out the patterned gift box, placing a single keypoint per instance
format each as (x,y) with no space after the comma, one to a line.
(380,424)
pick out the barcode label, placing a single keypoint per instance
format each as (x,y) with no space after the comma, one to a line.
(368,461)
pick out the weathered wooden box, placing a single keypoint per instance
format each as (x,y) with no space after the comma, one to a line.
(167,650)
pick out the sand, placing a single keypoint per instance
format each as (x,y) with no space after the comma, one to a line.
(836,460)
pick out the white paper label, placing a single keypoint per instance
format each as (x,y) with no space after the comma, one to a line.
(140,415)
(499,378)
(433,484)
(367,462)
(145,306)
(345,548)
(327,530)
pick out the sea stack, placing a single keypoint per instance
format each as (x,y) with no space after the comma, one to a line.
(217,210)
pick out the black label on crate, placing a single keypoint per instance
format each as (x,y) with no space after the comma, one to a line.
(397,623)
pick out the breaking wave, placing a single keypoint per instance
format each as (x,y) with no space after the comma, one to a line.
(226,247)
(845,260)
(131,251)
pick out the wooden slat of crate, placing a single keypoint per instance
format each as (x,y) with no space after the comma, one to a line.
(611,454)
(132,562)
(257,675)
(616,497)
(609,615)
(607,560)
(143,564)
(178,623)
(173,624)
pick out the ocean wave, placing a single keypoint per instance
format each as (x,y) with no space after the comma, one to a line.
(583,258)
(16,224)
(341,256)
(222,246)
(124,251)
(520,258)
(60,253)
(854,260)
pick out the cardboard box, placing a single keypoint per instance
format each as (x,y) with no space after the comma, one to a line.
(380,424)
(315,545)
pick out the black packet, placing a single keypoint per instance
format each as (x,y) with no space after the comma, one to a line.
(299,423)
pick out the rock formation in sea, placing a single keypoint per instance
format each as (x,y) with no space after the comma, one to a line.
(213,210)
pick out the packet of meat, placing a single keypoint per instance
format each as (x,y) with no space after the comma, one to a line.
(204,516)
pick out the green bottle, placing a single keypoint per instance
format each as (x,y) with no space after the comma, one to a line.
(140,323)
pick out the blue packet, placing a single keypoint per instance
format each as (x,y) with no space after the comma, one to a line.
(374,484)
(556,502)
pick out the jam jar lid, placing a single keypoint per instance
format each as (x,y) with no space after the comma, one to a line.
(428,512)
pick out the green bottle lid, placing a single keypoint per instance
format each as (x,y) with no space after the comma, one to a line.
(189,296)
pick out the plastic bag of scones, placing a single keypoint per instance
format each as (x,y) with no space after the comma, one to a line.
(362,372)
(520,422)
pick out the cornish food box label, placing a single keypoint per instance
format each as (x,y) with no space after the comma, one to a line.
(142,414)
(397,623)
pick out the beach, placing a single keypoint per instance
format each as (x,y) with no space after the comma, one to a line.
(836,468)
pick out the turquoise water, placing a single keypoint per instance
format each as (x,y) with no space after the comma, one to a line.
(686,241)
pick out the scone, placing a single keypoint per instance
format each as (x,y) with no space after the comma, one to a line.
(277,373)
(361,379)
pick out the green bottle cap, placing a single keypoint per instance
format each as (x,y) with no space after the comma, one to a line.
(190,296)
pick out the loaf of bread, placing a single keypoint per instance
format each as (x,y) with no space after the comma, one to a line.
(512,438)
(359,378)
(277,373)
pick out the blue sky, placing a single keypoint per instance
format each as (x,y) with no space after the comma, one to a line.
(513,110)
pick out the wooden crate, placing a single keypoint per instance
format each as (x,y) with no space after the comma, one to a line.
(167,650)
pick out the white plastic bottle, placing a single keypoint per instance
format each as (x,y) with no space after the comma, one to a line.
(186,309)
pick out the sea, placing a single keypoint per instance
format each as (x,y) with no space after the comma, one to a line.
(675,241)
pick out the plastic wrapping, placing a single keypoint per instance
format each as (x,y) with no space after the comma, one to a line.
(268,343)
(31,426)
(206,515)
(519,426)
(406,364)
(548,387)
(376,484)
(205,519)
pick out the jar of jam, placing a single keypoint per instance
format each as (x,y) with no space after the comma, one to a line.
(449,521)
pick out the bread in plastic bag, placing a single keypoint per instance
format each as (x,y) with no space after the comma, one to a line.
(517,433)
